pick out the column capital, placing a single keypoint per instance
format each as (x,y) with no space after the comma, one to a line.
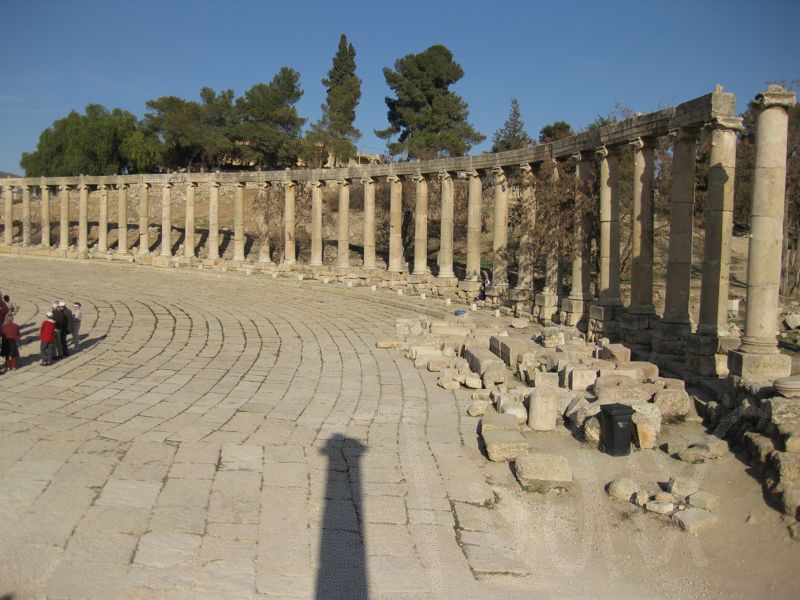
(640,143)
(418,177)
(684,134)
(473,173)
(144,186)
(191,184)
(166,185)
(102,187)
(121,185)
(316,184)
(499,176)
(719,123)
(241,184)
(367,180)
(83,186)
(64,187)
(442,175)
(775,95)
(526,168)
(602,153)
(342,182)
(392,178)
(212,183)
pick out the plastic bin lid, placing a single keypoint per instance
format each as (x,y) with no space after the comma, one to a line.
(459,312)
(616,409)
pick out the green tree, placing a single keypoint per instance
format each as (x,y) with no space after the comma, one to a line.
(555,131)
(88,144)
(179,125)
(335,132)
(428,119)
(512,135)
(269,131)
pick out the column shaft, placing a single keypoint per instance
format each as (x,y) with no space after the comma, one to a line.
(63,192)
(474,226)
(122,218)
(45,238)
(525,258)
(166,220)
(316,224)
(83,220)
(189,234)
(102,234)
(642,244)
(395,224)
(238,222)
(445,260)
(343,256)
(213,221)
(369,223)
(421,226)
(500,238)
(609,228)
(26,215)
(580,260)
(8,206)
(144,219)
(681,211)
(289,197)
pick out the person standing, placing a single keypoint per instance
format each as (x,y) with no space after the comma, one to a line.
(47,335)
(77,316)
(10,344)
(60,319)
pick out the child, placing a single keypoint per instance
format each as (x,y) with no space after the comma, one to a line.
(47,334)
(10,345)
(76,324)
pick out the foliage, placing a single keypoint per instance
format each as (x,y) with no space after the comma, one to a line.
(512,136)
(335,132)
(555,131)
(428,119)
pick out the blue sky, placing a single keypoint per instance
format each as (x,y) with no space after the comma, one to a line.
(563,60)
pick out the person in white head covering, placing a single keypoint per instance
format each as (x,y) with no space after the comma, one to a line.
(77,316)
(47,335)
(63,319)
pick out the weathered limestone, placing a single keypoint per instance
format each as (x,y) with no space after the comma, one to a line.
(63,231)
(758,357)
(83,221)
(122,219)
(102,234)
(144,219)
(238,222)
(45,238)
(26,215)
(546,302)
(8,208)
(289,200)
(445,260)
(500,238)
(525,258)
(474,226)
(343,239)
(316,224)
(190,238)
(369,223)
(166,220)
(575,306)
(395,224)
(212,251)
(421,225)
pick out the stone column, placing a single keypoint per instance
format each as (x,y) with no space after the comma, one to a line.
(395,224)
(707,350)
(238,222)
(421,225)
(609,228)
(102,234)
(343,238)
(45,190)
(525,258)
(369,223)
(289,198)
(122,218)
(642,245)
(8,206)
(316,224)
(759,358)
(445,260)
(166,220)
(63,193)
(474,226)
(575,306)
(500,237)
(213,221)
(26,215)
(262,201)
(669,334)
(83,221)
(144,219)
(189,234)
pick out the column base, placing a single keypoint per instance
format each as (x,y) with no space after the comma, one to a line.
(162,262)
(759,367)
(635,325)
(707,355)
(521,295)
(574,313)
(545,307)
(670,338)
(602,323)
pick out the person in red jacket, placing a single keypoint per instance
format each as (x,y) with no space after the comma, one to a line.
(47,335)
(10,344)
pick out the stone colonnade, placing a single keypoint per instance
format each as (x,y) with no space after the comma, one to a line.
(594,153)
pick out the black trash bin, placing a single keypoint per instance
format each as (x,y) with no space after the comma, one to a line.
(616,428)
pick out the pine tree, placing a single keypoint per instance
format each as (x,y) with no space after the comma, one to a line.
(512,136)
(335,130)
(428,119)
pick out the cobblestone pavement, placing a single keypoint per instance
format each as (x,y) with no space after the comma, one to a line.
(226,436)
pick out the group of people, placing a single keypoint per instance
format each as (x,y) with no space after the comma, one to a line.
(57,325)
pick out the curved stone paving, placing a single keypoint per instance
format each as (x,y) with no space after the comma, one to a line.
(232,437)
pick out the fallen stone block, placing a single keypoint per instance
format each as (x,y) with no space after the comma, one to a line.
(552,337)
(519,323)
(622,489)
(478,408)
(504,445)
(693,519)
(789,434)
(674,404)
(591,431)
(582,378)
(481,395)
(542,410)
(473,382)
(704,500)
(694,455)
(644,431)
(641,498)
(631,372)
(481,359)
(661,508)
(649,370)
(542,472)
(448,384)
(682,488)
(436,365)
(495,421)
(542,379)
(493,377)
(616,353)
(389,344)
(518,410)
(792,321)
(650,410)
(622,395)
